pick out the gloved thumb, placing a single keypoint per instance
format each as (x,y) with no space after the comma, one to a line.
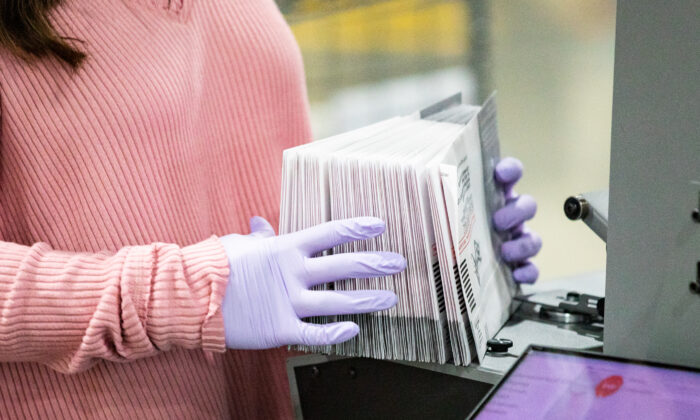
(261,227)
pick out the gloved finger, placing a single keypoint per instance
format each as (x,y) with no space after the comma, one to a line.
(515,212)
(332,333)
(340,302)
(526,273)
(261,227)
(355,265)
(517,230)
(507,172)
(330,234)
(522,248)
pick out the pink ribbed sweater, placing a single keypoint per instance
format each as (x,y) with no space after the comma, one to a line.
(113,182)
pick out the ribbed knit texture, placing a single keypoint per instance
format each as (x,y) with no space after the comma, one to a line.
(114,181)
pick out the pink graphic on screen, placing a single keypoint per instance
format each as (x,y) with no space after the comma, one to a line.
(609,386)
(552,386)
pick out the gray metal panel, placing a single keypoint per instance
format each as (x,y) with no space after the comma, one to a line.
(653,245)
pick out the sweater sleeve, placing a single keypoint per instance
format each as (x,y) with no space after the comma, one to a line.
(69,310)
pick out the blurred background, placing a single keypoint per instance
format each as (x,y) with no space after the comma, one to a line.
(551,62)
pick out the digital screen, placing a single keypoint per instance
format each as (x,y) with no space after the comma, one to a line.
(549,385)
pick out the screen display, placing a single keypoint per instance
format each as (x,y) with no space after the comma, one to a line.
(547,385)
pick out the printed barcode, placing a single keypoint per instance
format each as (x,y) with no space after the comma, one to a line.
(460,294)
(467,280)
(470,338)
(478,330)
(438,286)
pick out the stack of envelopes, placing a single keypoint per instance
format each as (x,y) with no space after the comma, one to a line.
(429,176)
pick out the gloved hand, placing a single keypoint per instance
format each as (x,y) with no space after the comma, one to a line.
(519,208)
(268,290)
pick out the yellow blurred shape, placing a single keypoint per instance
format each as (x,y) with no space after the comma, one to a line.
(395,26)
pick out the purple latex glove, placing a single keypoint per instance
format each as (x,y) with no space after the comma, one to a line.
(524,243)
(268,290)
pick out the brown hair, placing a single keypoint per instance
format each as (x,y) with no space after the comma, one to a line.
(27,32)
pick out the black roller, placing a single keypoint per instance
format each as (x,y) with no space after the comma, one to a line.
(576,208)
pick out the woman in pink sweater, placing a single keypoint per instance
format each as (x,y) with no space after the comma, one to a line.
(131,133)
